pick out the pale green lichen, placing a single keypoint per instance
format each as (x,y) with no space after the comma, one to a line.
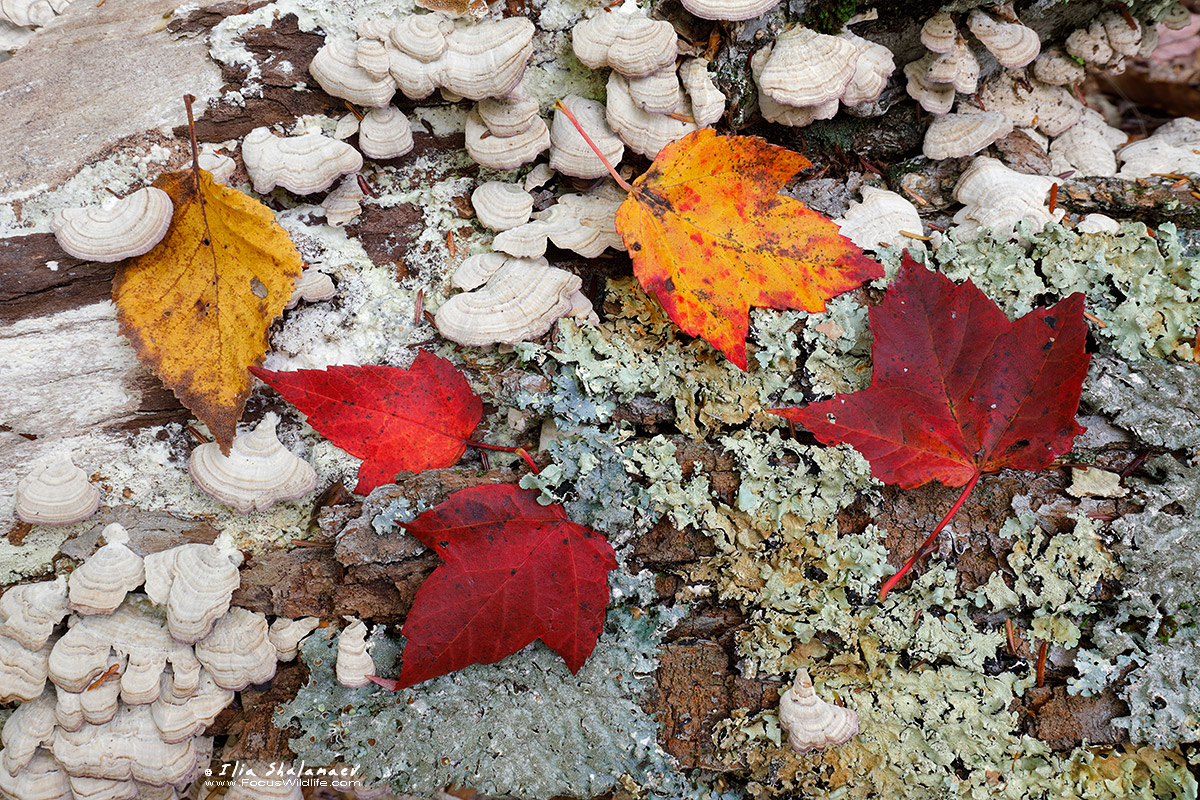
(1056,578)
(524,726)
(1157,401)
(839,342)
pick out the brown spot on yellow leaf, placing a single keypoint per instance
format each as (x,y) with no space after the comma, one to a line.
(197,307)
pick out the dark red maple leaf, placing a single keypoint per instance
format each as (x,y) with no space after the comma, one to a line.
(393,419)
(956,389)
(514,571)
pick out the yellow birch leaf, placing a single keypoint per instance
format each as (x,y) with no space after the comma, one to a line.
(197,307)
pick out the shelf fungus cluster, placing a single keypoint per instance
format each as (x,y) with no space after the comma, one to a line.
(811,723)
(56,493)
(806,76)
(134,678)
(354,663)
(651,101)
(258,472)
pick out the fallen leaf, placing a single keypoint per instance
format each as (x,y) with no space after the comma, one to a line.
(514,571)
(394,419)
(710,236)
(197,307)
(956,389)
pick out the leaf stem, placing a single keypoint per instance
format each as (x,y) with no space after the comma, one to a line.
(927,545)
(188,99)
(518,450)
(558,106)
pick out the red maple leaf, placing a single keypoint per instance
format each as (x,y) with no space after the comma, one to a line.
(956,389)
(393,419)
(514,571)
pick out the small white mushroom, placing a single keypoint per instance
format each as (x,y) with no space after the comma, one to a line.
(806,68)
(238,653)
(312,286)
(118,229)
(570,153)
(100,584)
(182,716)
(219,165)
(1057,68)
(335,66)
(997,197)
(872,68)
(956,135)
(41,779)
(731,10)
(708,103)
(301,164)
(1097,223)
(341,206)
(258,472)
(501,206)
(1090,44)
(22,672)
(625,39)
(1085,151)
(810,722)
(56,493)
(286,634)
(195,582)
(883,218)
(936,98)
(521,301)
(354,663)
(385,133)
(939,33)
(643,132)
(31,611)
(1013,44)
(504,152)
(29,727)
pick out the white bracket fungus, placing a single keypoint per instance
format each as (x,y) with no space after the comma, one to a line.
(958,67)
(936,98)
(101,583)
(335,66)
(806,68)
(810,722)
(642,131)
(1172,148)
(1097,223)
(312,286)
(238,653)
(491,150)
(508,116)
(285,635)
(302,164)
(521,300)
(217,164)
(31,611)
(354,663)
(997,197)
(1057,68)
(584,223)
(341,206)
(883,218)
(1084,150)
(658,93)
(730,10)
(118,229)
(708,103)
(56,493)
(939,34)
(258,472)
(570,153)
(195,582)
(501,206)
(385,133)
(484,60)
(23,672)
(1052,109)
(31,13)
(872,68)
(1013,44)
(625,39)
(957,135)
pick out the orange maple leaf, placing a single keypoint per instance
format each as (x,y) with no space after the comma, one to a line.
(710,236)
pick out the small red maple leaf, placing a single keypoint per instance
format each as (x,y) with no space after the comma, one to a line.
(956,389)
(394,419)
(514,571)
